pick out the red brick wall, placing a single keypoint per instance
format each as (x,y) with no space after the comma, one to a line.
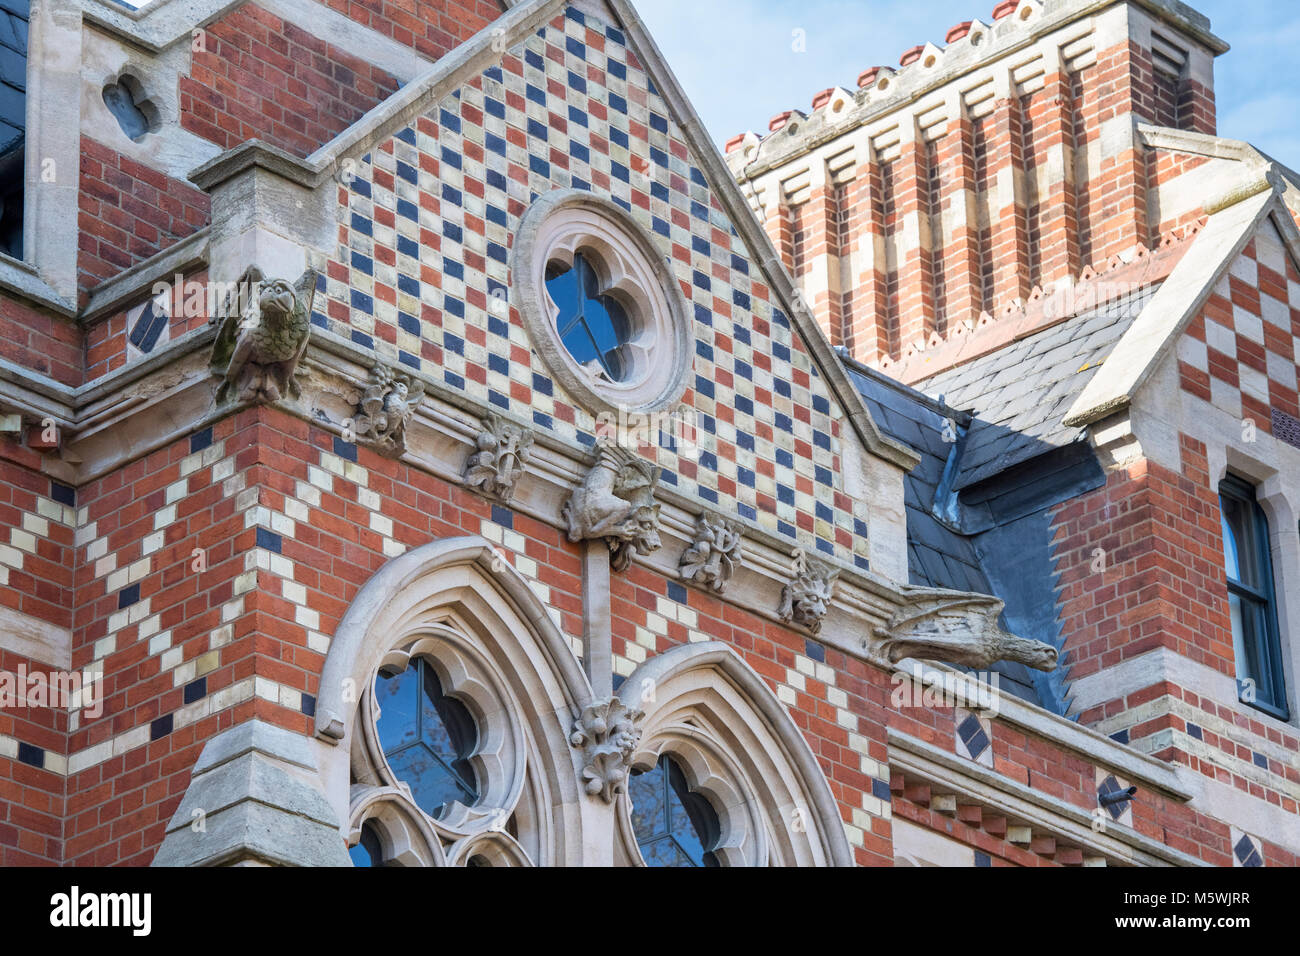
(432,27)
(106,339)
(260,77)
(129,212)
(31,796)
(1163,581)
(40,341)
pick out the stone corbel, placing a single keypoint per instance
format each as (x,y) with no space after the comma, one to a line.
(385,408)
(607,733)
(503,452)
(616,502)
(956,628)
(715,554)
(807,595)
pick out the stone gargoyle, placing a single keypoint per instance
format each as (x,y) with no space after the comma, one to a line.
(957,628)
(386,406)
(616,501)
(264,327)
(806,597)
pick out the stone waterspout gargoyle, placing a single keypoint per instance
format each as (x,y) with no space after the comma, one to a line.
(616,501)
(263,333)
(957,628)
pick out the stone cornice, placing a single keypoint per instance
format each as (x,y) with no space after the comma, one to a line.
(1095,746)
(951,774)
(129,288)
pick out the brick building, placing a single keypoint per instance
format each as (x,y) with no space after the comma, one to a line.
(425,457)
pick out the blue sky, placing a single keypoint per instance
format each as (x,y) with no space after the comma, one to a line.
(736,61)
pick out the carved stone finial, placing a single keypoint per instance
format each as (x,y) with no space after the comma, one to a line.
(386,407)
(616,501)
(957,628)
(807,596)
(714,556)
(608,732)
(264,328)
(503,452)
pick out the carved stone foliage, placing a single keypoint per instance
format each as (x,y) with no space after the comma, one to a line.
(807,596)
(607,732)
(714,556)
(386,407)
(616,501)
(264,327)
(957,628)
(503,452)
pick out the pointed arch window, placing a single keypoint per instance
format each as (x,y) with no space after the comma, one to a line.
(675,826)
(427,737)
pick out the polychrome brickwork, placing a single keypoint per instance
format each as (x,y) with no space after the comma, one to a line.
(425,233)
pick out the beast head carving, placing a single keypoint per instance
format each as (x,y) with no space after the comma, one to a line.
(807,596)
(616,502)
(958,628)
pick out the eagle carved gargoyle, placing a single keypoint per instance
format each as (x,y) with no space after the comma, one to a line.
(264,327)
(956,628)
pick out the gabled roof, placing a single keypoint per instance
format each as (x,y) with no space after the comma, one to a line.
(482,51)
(1234,218)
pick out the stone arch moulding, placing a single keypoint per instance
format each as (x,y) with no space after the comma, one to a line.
(431,578)
(564,222)
(460,605)
(739,746)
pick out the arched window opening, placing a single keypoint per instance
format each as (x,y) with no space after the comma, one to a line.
(427,737)
(369,850)
(675,826)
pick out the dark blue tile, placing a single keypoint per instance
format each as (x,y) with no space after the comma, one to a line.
(268,540)
(161,727)
(128,595)
(67,495)
(344,449)
(195,690)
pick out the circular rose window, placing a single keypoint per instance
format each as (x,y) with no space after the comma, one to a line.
(601,304)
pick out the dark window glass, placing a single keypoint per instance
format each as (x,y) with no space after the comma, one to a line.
(369,850)
(593,327)
(13,122)
(674,825)
(427,737)
(1255,640)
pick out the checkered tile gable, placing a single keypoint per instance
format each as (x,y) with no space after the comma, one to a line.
(1241,353)
(422,275)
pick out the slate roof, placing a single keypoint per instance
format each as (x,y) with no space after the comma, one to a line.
(937,555)
(977,423)
(1020,393)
